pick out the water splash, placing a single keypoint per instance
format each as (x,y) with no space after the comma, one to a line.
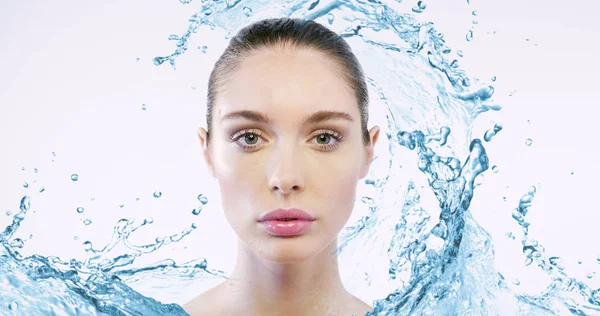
(435,264)
(95,285)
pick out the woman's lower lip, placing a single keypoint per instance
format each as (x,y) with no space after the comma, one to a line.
(286,228)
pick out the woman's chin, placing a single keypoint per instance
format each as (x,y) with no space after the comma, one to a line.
(286,250)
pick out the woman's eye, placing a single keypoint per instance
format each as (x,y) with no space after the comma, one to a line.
(324,139)
(249,139)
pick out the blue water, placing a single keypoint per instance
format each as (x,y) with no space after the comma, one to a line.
(438,261)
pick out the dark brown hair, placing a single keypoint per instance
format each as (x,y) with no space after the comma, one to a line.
(292,33)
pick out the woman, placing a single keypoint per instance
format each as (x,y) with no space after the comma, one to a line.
(287,141)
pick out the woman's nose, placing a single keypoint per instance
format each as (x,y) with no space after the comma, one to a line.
(286,172)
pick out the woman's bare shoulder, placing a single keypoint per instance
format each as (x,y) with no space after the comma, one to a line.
(358,307)
(205,304)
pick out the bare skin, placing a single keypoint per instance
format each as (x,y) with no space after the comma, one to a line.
(225,299)
(289,166)
(212,303)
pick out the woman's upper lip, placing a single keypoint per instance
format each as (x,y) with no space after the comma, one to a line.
(281,214)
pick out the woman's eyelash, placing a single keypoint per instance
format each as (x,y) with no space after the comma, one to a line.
(337,136)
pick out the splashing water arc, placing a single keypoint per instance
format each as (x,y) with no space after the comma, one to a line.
(437,262)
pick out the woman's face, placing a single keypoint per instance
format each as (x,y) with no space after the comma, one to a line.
(286,161)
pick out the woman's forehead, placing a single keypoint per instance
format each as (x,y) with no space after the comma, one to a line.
(300,82)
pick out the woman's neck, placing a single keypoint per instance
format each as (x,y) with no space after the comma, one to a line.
(301,288)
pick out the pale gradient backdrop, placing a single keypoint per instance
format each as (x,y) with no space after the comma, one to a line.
(70,83)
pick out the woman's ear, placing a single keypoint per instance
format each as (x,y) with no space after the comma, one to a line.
(203,136)
(370,151)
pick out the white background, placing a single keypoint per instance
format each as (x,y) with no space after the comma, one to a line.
(70,83)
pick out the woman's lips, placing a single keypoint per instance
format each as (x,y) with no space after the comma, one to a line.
(285,223)
(286,228)
(286,214)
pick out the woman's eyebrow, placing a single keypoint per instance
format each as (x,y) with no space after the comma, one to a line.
(313,118)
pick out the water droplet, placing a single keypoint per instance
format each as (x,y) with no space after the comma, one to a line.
(489,134)
(367,200)
(25,204)
(93,199)
(202,198)
(330,18)
(87,221)
(8,213)
(474,12)
(469,36)
(157,194)
(197,211)
(420,7)
(159,60)
(121,205)
(173,37)
(494,78)
(516,282)
(529,141)
(495,169)
(204,48)
(144,107)
(579,261)
(13,306)
(80,210)
(194,86)
(74,177)
(22,168)
(76,237)
(247,11)
(479,180)
(137,59)
(194,226)
(459,53)
(137,199)
(26,185)
(35,170)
